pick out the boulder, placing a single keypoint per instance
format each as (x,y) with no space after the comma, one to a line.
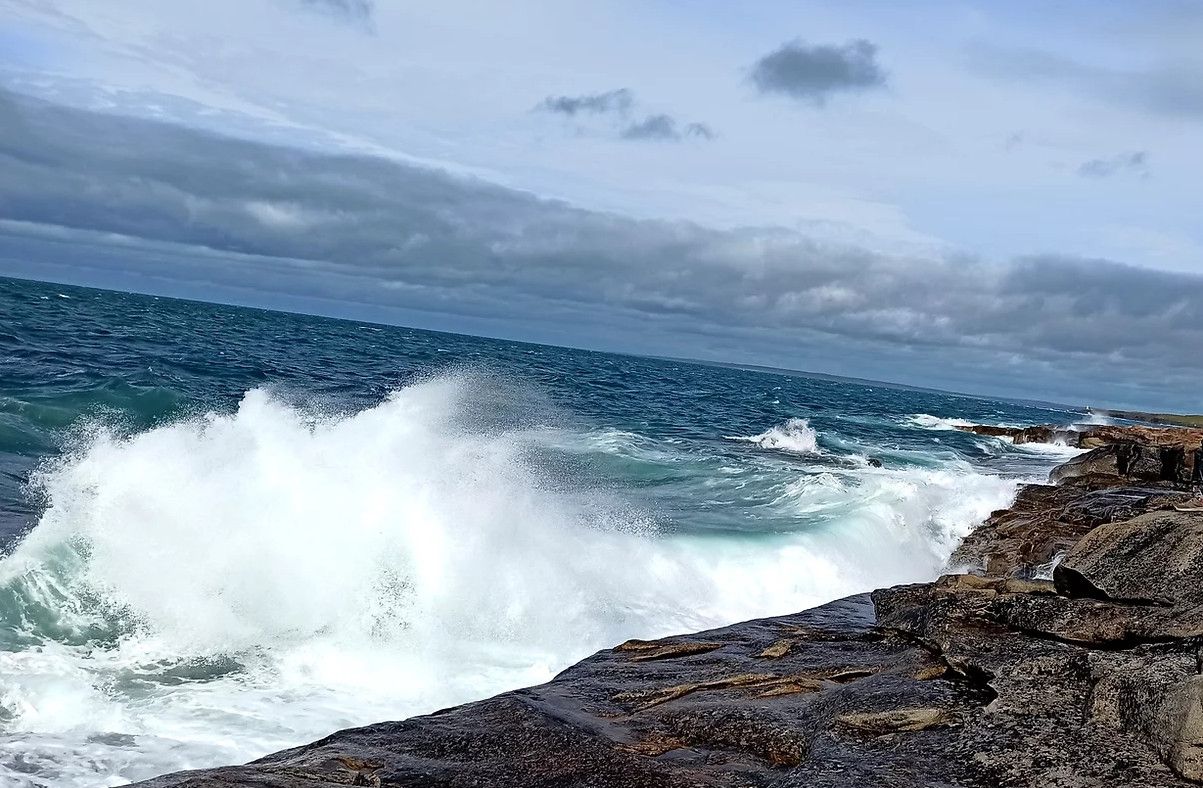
(1168,464)
(1103,461)
(1156,559)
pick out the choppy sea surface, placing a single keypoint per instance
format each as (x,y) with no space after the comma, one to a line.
(226,531)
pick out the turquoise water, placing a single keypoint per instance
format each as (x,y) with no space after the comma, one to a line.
(227,531)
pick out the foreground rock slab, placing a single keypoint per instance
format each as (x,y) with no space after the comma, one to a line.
(1068,658)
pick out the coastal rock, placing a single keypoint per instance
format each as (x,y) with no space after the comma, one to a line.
(1097,507)
(968,681)
(894,721)
(1093,436)
(1038,434)
(1154,559)
(1171,464)
(1103,461)
(1072,660)
(1042,523)
(742,714)
(1103,434)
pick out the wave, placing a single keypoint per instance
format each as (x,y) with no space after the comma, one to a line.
(35,423)
(928,421)
(1052,450)
(795,436)
(922,513)
(339,569)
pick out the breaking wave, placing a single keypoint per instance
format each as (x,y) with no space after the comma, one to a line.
(795,436)
(931,422)
(220,587)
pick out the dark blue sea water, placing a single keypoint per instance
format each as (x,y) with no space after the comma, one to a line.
(226,531)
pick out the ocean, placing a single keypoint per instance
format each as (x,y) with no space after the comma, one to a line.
(226,531)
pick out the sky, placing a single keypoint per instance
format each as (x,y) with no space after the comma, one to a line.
(977,196)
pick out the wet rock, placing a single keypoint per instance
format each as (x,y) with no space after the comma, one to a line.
(1147,464)
(1039,434)
(893,721)
(726,716)
(778,649)
(644,650)
(1023,542)
(1098,507)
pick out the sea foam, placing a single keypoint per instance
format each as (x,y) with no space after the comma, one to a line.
(931,422)
(210,590)
(795,436)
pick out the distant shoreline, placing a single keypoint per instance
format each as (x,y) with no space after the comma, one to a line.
(1176,419)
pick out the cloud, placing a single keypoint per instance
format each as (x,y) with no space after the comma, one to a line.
(354,11)
(1133,162)
(619,104)
(700,130)
(1172,89)
(186,206)
(665,127)
(616,101)
(815,73)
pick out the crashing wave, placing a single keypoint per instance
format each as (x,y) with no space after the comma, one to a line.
(795,436)
(928,421)
(342,569)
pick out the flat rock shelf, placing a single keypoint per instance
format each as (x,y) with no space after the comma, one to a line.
(1066,655)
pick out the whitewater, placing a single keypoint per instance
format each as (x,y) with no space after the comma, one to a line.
(207,560)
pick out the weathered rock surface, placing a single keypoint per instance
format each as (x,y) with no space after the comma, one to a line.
(1046,520)
(1092,436)
(1153,559)
(1174,464)
(1089,677)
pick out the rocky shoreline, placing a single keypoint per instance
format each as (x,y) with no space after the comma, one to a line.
(1066,655)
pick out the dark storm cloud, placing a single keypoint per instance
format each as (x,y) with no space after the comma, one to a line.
(1174,90)
(380,234)
(619,101)
(1131,163)
(815,72)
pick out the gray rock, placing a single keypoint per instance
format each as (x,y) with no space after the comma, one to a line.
(1156,558)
